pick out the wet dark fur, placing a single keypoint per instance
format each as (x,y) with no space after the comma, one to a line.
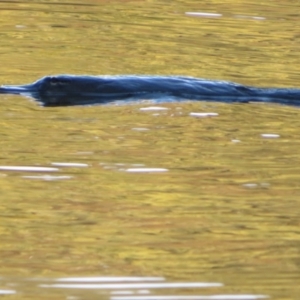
(64,90)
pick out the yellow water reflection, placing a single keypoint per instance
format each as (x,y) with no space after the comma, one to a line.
(226,209)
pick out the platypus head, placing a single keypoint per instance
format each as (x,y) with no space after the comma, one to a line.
(67,84)
(60,90)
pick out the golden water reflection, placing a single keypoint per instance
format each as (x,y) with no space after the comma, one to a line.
(226,208)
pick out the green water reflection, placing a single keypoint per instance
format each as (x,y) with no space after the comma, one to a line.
(225,211)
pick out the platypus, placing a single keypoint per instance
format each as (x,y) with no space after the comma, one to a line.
(67,90)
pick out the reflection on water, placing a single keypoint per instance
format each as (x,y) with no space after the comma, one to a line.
(125,288)
(69,164)
(215,15)
(145,170)
(48,177)
(188,194)
(28,169)
(226,209)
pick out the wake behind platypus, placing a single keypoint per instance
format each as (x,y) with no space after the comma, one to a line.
(67,90)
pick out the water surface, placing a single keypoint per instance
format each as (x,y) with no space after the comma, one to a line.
(224,208)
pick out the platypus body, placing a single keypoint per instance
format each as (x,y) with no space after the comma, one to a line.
(67,90)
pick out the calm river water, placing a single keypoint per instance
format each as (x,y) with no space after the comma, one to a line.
(142,203)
